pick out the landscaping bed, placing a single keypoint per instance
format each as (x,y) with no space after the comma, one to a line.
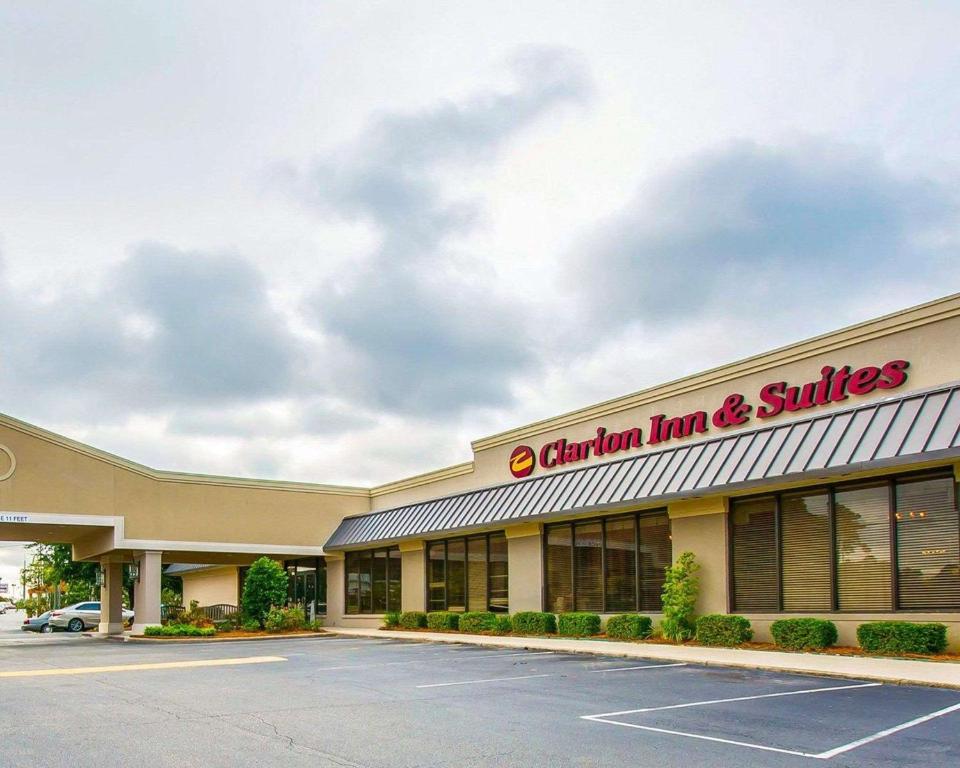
(836,650)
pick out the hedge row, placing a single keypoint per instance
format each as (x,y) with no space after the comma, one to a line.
(800,634)
(440,621)
(179,630)
(902,637)
(803,634)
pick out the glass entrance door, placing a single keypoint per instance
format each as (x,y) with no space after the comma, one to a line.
(308,586)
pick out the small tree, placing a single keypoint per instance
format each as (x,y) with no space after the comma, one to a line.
(680,591)
(264,588)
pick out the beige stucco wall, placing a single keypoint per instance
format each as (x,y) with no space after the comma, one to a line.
(55,476)
(217,585)
(700,526)
(413,576)
(525,567)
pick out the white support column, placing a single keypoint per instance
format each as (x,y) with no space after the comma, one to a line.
(146,591)
(111,598)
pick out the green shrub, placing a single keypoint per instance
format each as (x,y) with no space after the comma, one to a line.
(179,630)
(578,624)
(441,621)
(413,620)
(478,621)
(534,623)
(902,637)
(314,626)
(629,626)
(264,587)
(250,625)
(503,625)
(803,634)
(391,619)
(723,629)
(280,619)
(680,589)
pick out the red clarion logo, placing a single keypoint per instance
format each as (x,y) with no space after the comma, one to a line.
(521,461)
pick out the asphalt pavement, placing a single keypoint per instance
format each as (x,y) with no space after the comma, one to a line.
(383,702)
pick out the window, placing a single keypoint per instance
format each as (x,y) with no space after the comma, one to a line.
(468,573)
(621,556)
(806,551)
(588,565)
(373,581)
(876,546)
(863,548)
(928,544)
(559,567)
(755,553)
(607,566)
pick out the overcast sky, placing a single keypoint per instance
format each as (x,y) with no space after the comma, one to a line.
(335,242)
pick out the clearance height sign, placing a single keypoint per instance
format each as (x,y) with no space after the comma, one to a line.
(834,385)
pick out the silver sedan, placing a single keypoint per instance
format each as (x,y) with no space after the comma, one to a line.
(81,616)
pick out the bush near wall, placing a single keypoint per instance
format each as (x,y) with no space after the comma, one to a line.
(413,620)
(629,626)
(440,621)
(902,637)
(534,623)
(723,629)
(803,634)
(391,619)
(179,630)
(578,624)
(503,625)
(478,621)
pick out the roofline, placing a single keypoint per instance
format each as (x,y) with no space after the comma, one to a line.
(165,476)
(947,454)
(903,319)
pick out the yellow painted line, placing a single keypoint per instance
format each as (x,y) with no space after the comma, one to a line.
(143,667)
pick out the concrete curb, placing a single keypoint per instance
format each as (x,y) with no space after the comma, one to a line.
(898,671)
(215,639)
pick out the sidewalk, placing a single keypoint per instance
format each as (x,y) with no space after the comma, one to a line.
(905,671)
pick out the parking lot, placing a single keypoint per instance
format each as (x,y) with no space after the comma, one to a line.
(362,702)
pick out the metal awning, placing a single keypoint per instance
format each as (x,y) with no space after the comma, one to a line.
(920,426)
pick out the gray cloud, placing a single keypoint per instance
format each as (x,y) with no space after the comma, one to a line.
(213,334)
(755,230)
(163,327)
(432,333)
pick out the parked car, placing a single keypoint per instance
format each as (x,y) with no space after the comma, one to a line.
(81,616)
(39,623)
(6,605)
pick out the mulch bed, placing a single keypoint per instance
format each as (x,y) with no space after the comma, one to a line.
(837,650)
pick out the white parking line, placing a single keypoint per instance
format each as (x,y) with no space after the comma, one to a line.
(645,666)
(700,736)
(506,655)
(825,755)
(736,698)
(881,734)
(473,682)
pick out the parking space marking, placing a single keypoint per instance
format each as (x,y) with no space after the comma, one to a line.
(700,736)
(506,655)
(488,680)
(887,732)
(606,717)
(142,667)
(645,666)
(736,698)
